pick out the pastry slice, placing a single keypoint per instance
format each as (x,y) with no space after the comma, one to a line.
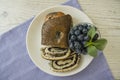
(55,53)
(55,31)
(67,64)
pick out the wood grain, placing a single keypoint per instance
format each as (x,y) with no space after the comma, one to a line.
(104,13)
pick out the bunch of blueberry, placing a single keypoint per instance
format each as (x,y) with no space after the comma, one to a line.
(78,37)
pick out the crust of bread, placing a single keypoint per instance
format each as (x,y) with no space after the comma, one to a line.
(55,31)
(54,15)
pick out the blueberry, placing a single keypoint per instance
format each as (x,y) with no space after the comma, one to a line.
(78,50)
(95,37)
(84,31)
(80,37)
(73,37)
(80,28)
(88,27)
(85,25)
(75,28)
(72,32)
(77,45)
(77,32)
(72,46)
(86,38)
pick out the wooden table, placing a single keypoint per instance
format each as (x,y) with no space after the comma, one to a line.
(104,13)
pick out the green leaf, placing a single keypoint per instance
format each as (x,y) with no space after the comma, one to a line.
(91,32)
(92,50)
(88,44)
(100,43)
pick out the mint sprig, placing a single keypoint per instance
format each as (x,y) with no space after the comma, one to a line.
(92,47)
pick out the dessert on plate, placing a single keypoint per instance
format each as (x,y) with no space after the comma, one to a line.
(64,43)
(55,39)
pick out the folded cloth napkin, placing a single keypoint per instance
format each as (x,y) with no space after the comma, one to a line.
(15,63)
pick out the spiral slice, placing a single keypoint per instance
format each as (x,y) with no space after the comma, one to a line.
(66,64)
(54,53)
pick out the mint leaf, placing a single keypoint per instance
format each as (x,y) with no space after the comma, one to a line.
(91,32)
(88,44)
(100,43)
(92,50)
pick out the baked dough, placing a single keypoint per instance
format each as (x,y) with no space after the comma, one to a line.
(55,31)
(66,64)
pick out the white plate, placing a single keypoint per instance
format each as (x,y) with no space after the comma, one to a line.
(33,39)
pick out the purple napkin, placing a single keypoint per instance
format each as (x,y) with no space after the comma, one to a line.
(15,63)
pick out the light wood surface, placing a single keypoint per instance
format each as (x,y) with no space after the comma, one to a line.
(104,13)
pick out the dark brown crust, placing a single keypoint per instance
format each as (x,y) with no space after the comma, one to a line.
(54,15)
(55,31)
